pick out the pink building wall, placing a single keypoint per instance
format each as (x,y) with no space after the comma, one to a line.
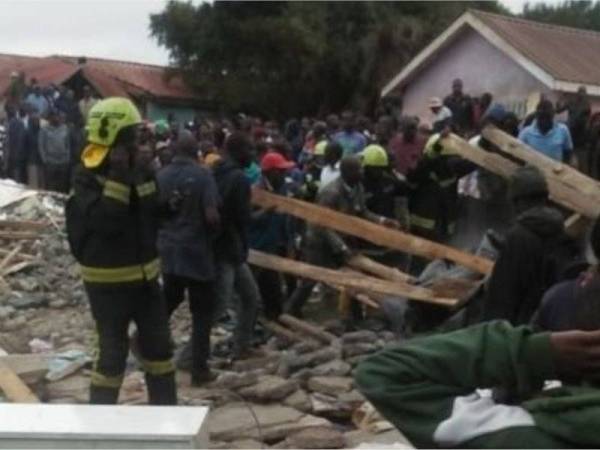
(482,67)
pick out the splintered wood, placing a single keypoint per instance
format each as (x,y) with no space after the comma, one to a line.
(369,231)
(341,279)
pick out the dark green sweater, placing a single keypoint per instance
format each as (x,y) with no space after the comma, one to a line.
(430,389)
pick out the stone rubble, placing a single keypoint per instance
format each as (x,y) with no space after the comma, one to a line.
(302,394)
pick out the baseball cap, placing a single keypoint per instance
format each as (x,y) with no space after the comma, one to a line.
(273,160)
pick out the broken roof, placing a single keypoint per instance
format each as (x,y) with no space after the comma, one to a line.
(108,77)
(563,58)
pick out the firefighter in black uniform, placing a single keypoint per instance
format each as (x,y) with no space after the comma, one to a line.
(112,224)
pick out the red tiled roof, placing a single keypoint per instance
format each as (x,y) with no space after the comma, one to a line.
(567,54)
(108,77)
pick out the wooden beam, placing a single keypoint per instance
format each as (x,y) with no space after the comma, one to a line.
(369,231)
(18,235)
(567,186)
(498,164)
(339,278)
(367,265)
(279,330)
(307,328)
(23,225)
(13,387)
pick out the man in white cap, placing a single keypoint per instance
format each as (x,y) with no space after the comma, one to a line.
(442,114)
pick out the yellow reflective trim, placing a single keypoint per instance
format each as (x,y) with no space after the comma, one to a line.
(97,379)
(117,191)
(158,367)
(422,222)
(146,189)
(125,274)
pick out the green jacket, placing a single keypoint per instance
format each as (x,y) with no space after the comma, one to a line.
(432,390)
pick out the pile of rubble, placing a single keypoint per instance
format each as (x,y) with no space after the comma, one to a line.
(300,394)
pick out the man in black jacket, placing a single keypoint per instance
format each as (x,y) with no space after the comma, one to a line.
(231,246)
(534,254)
(185,243)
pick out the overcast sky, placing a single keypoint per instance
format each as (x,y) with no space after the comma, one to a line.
(117,29)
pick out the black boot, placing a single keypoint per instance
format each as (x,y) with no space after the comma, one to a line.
(100,395)
(161,389)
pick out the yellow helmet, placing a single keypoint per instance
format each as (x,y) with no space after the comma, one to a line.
(375,156)
(108,117)
(320,148)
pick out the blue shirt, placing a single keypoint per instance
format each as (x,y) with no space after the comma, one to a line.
(352,143)
(556,143)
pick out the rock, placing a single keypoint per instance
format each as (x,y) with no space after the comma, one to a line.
(28,284)
(365,439)
(330,407)
(299,400)
(58,304)
(354,398)
(239,444)
(359,336)
(355,360)
(360,348)
(388,336)
(316,437)
(234,422)
(15,324)
(306,347)
(232,380)
(6,311)
(256,363)
(74,388)
(337,367)
(312,359)
(269,388)
(28,300)
(330,385)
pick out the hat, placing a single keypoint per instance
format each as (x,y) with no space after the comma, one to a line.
(496,113)
(528,181)
(14,74)
(435,102)
(273,160)
(374,156)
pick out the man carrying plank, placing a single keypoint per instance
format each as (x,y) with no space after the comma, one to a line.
(325,247)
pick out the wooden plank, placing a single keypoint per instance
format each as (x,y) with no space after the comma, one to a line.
(23,224)
(566,184)
(367,265)
(307,328)
(335,278)
(20,256)
(559,193)
(279,330)
(372,232)
(30,367)
(9,257)
(18,235)
(13,387)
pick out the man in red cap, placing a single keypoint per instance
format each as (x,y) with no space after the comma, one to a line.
(270,232)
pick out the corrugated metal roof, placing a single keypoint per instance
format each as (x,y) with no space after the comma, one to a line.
(568,54)
(107,76)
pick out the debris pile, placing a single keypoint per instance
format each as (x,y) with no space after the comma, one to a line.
(298,394)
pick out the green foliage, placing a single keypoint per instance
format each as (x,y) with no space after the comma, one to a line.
(283,59)
(578,14)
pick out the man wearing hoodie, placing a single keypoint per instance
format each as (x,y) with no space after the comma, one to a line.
(534,254)
(231,248)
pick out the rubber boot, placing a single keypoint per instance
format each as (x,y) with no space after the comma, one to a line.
(161,389)
(100,395)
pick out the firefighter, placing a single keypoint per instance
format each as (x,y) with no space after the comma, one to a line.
(112,225)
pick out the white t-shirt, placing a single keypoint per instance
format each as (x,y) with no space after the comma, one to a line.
(329,174)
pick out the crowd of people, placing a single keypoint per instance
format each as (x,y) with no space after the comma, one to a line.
(170,201)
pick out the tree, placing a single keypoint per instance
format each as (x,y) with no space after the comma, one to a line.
(284,59)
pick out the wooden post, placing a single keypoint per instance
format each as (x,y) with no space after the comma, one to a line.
(367,265)
(372,232)
(340,279)
(307,328)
